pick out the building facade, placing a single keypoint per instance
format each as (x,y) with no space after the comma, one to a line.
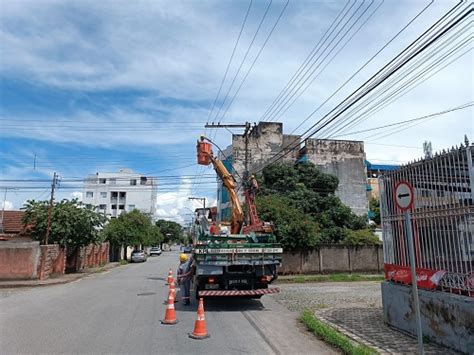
(125,190)
(344,159)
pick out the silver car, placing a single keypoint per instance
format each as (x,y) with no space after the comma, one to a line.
(138,256)
(155,251)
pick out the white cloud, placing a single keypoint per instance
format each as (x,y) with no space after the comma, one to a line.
(176,205)
(8,205)
(176,53)
(76,194)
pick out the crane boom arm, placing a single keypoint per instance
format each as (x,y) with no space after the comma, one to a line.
(206,157)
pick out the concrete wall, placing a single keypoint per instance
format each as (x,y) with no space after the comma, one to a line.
(346,160)
(265,141)
(333,258)
(19,260)
(446,318)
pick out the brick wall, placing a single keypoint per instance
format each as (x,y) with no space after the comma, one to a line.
(19,260)
(52,261)
(93,255)
(333,258)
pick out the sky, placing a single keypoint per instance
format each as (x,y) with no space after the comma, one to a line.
(88,86)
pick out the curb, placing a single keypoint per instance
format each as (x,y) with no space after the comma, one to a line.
(47,282)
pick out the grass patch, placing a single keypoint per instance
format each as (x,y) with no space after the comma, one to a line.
(328,278)
(123,262)
(332,336)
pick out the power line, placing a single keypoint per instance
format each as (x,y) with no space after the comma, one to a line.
(423,42)
(432,115)
(294,93)
(243,60)
(255,60)
(230,60)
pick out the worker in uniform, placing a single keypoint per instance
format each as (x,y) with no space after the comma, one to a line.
(253,186)
(184,276)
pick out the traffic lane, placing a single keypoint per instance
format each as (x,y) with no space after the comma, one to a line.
(116,312)
(93,315)
(230,332)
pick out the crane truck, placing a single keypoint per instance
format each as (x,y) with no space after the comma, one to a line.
(244,262)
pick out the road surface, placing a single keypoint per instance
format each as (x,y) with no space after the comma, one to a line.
(119,312)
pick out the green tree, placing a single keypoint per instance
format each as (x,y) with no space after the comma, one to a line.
(72,223)
(301,202)
(172,231)
(293,228)
(374,207)
(131,229)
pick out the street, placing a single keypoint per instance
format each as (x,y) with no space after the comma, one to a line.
(119,312)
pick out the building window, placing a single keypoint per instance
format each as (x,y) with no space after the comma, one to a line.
(131,207)
(102,181)
(102,207)
(114,194)
(143,180)
(114,207)
(89,194)
(103,194)
(133,182)
(88,205)
(112,181)
(122,194)
(121,207)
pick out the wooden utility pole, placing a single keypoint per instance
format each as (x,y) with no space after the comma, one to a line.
(50,208)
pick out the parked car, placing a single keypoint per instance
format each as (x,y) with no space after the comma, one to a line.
(155,251)
(138,256)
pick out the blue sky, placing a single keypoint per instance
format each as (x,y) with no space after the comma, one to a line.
(90,86)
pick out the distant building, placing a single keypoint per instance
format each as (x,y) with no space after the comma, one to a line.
(344,159)
(374,171)
(114,193)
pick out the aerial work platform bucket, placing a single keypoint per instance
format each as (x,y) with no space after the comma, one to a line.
(204,151)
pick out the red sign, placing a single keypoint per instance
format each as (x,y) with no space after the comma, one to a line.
(425,278)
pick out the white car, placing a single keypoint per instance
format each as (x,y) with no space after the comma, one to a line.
(155,251)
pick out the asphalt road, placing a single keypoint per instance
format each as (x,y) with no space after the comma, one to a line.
(119,312)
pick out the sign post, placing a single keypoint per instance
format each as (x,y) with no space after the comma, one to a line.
(404,200)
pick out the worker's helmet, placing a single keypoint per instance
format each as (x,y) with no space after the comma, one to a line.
(183,257)
(253,176)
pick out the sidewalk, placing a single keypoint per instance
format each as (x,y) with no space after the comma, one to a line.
(366,326)
(57,279)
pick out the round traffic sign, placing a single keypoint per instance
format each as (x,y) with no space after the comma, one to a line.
(404,195)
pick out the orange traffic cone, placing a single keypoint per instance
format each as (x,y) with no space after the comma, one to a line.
(173,290)
(170,316)
(200,331)
(170,279)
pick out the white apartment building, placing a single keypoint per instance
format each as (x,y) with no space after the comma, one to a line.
(124,190)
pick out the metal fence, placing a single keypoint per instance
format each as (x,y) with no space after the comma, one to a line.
(442,217)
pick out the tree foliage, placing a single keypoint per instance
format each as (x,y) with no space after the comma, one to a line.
(300,200)
(72,223)
(374,207)
(172,231)
(132,229)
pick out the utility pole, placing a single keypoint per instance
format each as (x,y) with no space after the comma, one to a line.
(248,129)
(50,208)
(202,199)
(3,209)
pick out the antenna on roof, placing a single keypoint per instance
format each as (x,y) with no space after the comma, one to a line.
(428,149)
